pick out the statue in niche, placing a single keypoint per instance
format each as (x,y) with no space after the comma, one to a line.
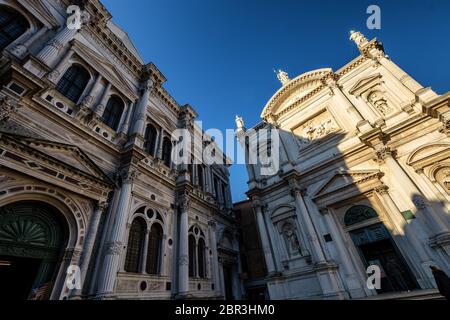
(378,100)
(290,236)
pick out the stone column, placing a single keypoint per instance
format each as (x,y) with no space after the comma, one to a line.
(22,49)
(139,125)
(144,252)
(432,194)
(215,257)
(183,242)
(425,260)
(56,73)
(89,97)
(351,276)
(126,124)
(303,216)
(89,242)
(100,108)
(114,246)
(51,50)
(384,154)
(257,205)
(159,145)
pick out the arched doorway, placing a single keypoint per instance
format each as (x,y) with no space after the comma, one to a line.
(376,247)
(33,235)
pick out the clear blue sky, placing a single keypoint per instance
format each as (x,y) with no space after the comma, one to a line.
(218,55)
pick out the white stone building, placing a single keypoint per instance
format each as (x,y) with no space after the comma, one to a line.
(86,177)
(363,180)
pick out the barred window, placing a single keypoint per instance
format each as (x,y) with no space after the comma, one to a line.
(154,249)
(12,25)
(73,82)
(113,112)
(135,245)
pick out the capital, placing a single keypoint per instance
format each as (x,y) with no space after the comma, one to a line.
(128,176)
(382,153)
(101,206)
(383,189)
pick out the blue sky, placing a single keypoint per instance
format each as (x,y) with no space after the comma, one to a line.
(218,55)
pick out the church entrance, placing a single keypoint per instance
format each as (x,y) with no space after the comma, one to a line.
(376,247)
(32,238)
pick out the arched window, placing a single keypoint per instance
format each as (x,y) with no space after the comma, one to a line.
(201,258)
(113,112)
(135,245)
(12,25)
(73,82)
(167,151)
(154,249)
(200,176)
(191,256)
(150,139)
(358,214)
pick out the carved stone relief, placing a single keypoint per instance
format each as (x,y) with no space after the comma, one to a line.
(316,128)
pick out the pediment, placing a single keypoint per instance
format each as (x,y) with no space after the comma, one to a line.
(429,154)
(104,67)
(364,84)
(40,10)
(342,179)
(72,157)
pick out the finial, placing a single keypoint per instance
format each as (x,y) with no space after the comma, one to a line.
(239,122)
(282,76)
(358,38)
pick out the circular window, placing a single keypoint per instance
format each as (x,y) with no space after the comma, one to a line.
(150,213)
(143,285)
(170,242)
(196,231)
(59,105)
(105,134)
(152,197)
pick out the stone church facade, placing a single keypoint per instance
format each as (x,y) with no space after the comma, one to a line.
(91,204)
(363,179)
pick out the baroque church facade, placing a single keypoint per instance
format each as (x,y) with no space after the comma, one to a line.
(91,204)
(363,179)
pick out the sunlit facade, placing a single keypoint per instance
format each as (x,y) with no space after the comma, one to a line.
(363,179)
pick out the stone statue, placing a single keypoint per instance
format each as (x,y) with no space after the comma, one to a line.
(282,76)
(239,122)
(292,242)
(358,38)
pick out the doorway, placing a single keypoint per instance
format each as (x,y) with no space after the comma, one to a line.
(32,237)
(376,247)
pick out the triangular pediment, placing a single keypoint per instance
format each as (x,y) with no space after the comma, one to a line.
(365,84)
(343,179)
(71,156)
(104,67)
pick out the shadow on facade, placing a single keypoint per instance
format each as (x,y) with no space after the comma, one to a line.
(336,213)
